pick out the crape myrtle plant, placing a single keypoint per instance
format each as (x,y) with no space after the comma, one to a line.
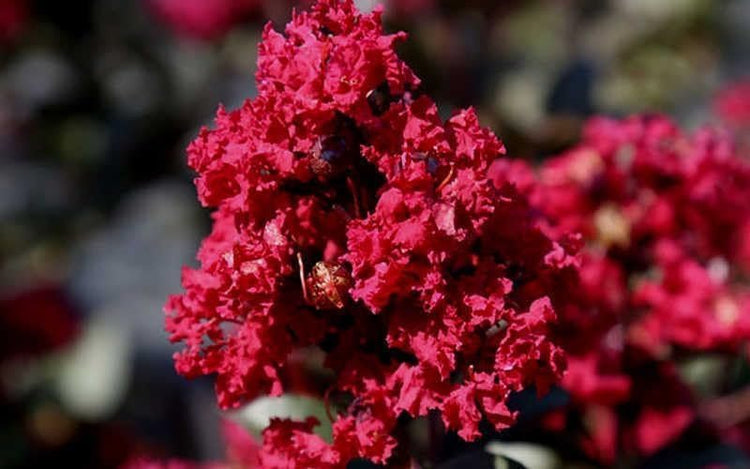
(665,216)
(349,218)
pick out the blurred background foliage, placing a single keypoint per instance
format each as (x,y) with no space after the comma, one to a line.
(99,98)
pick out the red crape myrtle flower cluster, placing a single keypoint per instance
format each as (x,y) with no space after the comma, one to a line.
(350,218)
(666,220)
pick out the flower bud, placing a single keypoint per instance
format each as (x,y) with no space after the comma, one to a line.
(332,155)
(329,285)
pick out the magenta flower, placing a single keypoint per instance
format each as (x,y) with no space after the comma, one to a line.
(349,217)
(665,218)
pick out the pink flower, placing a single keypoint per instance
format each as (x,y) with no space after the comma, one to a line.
(351,218)
(664,216)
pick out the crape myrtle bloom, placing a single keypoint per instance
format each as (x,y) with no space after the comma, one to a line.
(202,19)
(665,218)
(349,217)
(667,213)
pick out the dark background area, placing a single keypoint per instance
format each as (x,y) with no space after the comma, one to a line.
(98,100)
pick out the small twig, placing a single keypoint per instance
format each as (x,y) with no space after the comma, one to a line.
(355,197)
(327,404)
(302,277)
(445,181)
